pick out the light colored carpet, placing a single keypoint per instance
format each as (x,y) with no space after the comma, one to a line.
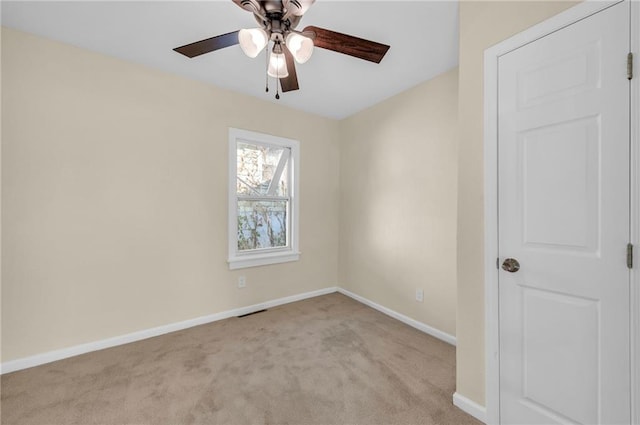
(326,360)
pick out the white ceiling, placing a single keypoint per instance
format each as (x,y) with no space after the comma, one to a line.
(423,36)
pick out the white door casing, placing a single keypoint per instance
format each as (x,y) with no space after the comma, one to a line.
(563,208)
(566,220)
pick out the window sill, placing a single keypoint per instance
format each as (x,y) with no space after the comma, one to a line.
(262,260)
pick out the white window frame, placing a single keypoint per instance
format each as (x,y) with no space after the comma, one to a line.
(238,259)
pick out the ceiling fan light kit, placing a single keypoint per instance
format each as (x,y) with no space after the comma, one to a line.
(301,47)
(277,20)
(277,66)
(252,41)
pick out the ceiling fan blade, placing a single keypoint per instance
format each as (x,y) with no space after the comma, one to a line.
(290,82)
(348,44)
(209,45)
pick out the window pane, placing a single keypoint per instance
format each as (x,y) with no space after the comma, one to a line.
(258,166)
(262,224)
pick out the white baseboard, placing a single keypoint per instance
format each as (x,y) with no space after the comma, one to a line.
(470,407)
(401,317)
(51,356)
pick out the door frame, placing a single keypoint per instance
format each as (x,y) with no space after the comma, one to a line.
(491,56)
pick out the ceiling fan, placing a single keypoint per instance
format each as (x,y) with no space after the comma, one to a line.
(277,21)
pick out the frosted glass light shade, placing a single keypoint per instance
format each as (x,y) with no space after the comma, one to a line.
(301,47)
(277,66)
(252,41)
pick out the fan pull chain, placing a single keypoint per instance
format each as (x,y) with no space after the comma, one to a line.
(278,83)
(267,73)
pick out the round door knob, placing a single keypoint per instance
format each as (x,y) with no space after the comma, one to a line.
(511,265)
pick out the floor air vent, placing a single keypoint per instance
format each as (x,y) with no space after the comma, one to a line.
(250,314)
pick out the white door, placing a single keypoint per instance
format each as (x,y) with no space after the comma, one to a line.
(563,143)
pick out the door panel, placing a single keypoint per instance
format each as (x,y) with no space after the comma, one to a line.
(561,191)
(563,143)
(571,364)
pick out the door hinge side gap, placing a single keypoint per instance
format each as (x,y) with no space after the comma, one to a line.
(629,66)
(630,255)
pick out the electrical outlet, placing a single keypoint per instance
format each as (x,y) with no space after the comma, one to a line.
(419,295)
(242,282)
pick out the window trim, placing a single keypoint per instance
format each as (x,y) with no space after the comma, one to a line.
(238,260)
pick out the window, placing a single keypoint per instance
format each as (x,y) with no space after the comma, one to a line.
(263,199)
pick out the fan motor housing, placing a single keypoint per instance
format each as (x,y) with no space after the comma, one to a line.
(272,6)
(250,5)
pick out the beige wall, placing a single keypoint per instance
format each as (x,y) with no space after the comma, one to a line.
(482,24)
(398,202)
(114,186)
(114,192)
